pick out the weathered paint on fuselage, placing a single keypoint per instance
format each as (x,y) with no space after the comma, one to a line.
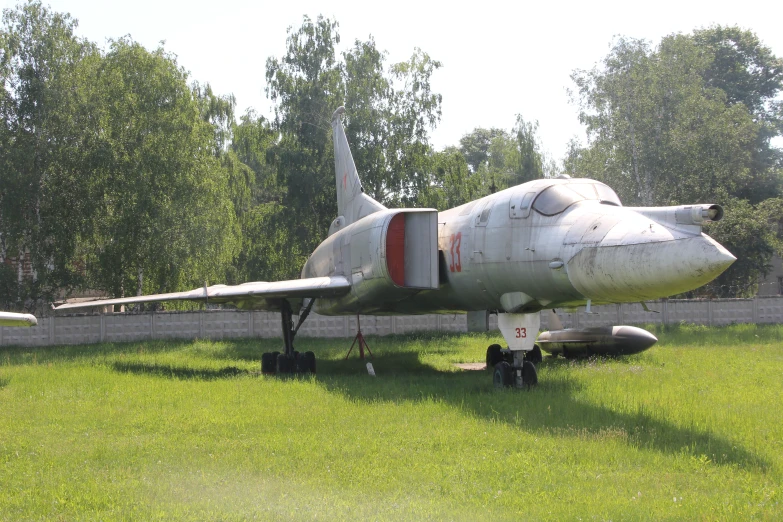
(498,256)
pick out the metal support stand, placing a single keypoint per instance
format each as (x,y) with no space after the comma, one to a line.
(360,338)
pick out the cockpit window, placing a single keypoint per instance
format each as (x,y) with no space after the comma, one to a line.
(557,198)
(585,190)
(607,195)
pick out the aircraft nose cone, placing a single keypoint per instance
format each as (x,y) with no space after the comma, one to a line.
(629,272)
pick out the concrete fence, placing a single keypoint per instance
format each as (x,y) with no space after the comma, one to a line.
(225,324)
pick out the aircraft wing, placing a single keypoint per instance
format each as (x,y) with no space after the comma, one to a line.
(12,319)
(259,295)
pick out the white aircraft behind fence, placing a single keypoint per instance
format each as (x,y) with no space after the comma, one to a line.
(12,319)
(545,244)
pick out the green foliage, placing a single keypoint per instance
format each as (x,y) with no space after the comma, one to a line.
(389,111)
(658,135)
(745,231)
(114,173)
(44,70)
(307,86)
(451,183)
(749,74)
(387,125)
(499,159)
(528,161)
(162,208)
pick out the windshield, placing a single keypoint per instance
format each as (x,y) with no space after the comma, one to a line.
(557,198)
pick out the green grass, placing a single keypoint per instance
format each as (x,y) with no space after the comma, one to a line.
(689,430)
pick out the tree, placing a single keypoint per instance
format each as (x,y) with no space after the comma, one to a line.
(267,245)
(476,144)
(387,125)
(502,159)
(164,218)
(657,135)
(529,164)
(389,111)
(307,86)
(745,231)
(749,74)
(44,73)
(451,182)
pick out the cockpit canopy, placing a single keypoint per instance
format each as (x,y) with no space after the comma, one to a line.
(558,197)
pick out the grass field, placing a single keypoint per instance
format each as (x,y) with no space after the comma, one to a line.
(689,430)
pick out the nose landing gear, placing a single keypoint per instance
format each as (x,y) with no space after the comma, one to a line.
(515,368)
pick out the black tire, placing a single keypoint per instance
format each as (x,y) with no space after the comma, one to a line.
(535,356)
(310,358)
(285,363)
(502,376)
(301,365)
(494,355)
(268,363)
(529,374)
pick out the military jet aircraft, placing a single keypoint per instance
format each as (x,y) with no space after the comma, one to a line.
(12,319)
(547,243)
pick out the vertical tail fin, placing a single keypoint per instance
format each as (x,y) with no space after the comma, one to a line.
(352,203)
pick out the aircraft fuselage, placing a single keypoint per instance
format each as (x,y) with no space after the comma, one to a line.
(543,244)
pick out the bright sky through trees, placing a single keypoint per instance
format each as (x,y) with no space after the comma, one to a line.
(500,58)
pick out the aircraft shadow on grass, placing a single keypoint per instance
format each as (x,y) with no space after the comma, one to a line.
(550,408)
(178,372)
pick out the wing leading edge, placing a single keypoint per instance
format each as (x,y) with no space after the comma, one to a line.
(252,296)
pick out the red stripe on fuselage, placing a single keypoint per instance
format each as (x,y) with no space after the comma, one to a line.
(395,249)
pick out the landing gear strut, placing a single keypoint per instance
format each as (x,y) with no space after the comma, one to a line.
(290,361)
(515,368)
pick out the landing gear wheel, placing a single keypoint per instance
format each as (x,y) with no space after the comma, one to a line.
(305,363)
(535,356)
(268,363)
(494,355)
(309,357)
(502,378)
(529,374)
(285,363)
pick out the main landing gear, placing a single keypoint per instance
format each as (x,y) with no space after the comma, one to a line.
(513,367)
(290,361)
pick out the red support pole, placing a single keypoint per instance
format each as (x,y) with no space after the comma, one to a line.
(360,338)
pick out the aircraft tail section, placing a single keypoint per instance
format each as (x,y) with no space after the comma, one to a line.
(352,203)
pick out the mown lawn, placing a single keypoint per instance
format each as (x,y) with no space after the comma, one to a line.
(691,430)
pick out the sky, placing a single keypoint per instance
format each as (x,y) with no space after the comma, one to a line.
(499,59)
